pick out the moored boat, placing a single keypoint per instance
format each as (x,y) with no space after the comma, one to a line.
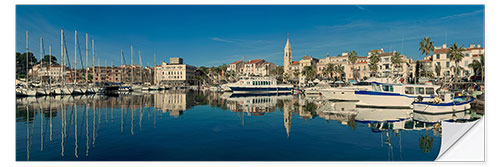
(259,85)
(387,95)
(444,104)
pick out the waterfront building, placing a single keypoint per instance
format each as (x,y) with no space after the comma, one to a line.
(441,58)
(122,74)
(258,67)
(45,72)
(236,67)
(175,73)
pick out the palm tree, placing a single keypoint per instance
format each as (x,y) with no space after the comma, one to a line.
(296,73)
(426,46)
(309,72)
(456,55)
(339,69)
(396,60)
(353,58)
(374,59)
(425,143)
(478,68)
(330,68)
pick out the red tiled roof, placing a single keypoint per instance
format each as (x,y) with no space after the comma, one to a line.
(295,62)
(473,48)
(476,55)
(441,51)
(386,54)
(236,62)
(426,61)
(254,61)
(362,62)
(380,50)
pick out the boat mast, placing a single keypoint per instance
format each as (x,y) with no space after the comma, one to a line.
(86,57)
(41,55)
(121,66)
(27,59)
(74,79)
(62,58)
(154,66)
(50,64)
(140,62)
(132,61)
(93,62)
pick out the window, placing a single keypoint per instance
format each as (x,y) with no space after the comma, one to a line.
(437,56)
(420,90)
(447,64)
(388,88)
(438,64)
(409,90)
(466,62)
(429,91)
(447,55)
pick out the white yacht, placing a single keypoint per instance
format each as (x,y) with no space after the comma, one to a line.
(316,89)
(345,93)
(259,85)
(388,95)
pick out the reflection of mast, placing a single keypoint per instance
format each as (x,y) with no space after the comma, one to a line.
(27,128)
(93,124)
(62,128)
(76,130)
(41,128)
(122,119)
(50,117)
(140,115)
(154,120)
(132,123)
(87,128)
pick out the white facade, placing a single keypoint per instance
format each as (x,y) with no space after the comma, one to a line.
(174,73)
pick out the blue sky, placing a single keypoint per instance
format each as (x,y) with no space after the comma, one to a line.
(214,35)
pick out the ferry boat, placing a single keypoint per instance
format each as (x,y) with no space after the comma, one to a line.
(388,95)
(259,85)
(444,104)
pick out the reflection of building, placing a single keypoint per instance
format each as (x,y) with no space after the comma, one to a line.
(174,102)
(44,72)
(256,105)
(175,73)
(287,116)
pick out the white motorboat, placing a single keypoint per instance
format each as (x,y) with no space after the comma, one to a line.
(444,104)
(388,95)
(259,85)
(344,93)
(316,89)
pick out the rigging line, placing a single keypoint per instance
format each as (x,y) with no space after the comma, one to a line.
(79,53)
(66,51)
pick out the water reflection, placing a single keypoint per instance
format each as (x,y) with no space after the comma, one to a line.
(78,121)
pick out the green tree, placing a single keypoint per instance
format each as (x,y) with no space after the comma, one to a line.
(353,58)
(426,46)
(339,69)
(309,73)
(21,63)
(374,59)
(396,60)
(330,69)
(456,55)
(47,59)
(478,67)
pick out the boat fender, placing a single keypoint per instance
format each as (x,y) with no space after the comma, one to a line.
(437,100)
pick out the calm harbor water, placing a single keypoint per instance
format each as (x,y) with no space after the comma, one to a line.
(206,126)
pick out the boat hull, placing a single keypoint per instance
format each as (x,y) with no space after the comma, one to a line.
(271,89)
(337,94)
(441,108)
(386,100)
